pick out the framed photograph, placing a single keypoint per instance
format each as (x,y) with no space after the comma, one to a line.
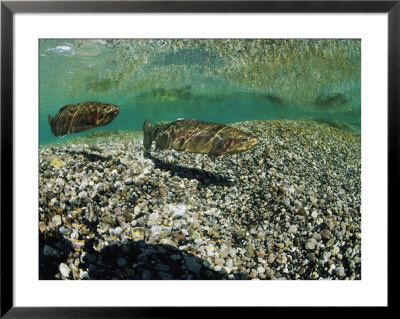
(158,155)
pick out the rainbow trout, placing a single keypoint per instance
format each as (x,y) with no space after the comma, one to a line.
(82,117)
(190,135)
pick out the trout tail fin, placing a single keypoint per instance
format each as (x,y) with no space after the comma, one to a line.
(148,132)
(52,127)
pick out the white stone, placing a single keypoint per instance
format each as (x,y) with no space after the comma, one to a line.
(155,230)
(185,232)
(117,184)
(82,195)
(64,270)
(57,220)
(83,274)
(292,229)
(311,243)
(314,214)
(260,269)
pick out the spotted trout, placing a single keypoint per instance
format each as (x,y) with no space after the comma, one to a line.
(82,117)
(193,136)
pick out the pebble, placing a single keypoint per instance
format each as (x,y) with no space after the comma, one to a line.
(224,251)
(219,261)
(64,270)
(311,243)
(155,230)
(260,270)
(83,274)
(313,200)
(82,195)
(302,212)
(292,229)
(271,258)
(192,265)
(326,233)
(138,233)
(57,162)
(78,245)
(340,271)
(92,259)
(286,209)
(42,227)
(330,242)
(50,252)
(57,220)
(161,267)
(121,262)
(331,224)
(314,214)
(117,184)
(335,250)
(165,276)
(146,275)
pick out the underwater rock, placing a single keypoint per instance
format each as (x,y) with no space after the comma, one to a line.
(181,214)
(102,134)
(301,211)
(50,252)
(82,117)
(292,229)
(193,136)
(64,270)
(78,245)
(138,233)
(121,262)
(311,243)
(57,162)
(192,264)
(176,211)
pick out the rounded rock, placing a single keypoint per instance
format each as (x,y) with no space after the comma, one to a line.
(64,270)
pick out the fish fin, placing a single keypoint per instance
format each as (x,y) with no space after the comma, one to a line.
(49,118)
(147,132)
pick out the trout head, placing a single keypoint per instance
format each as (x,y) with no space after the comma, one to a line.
(243,143)
(106,114)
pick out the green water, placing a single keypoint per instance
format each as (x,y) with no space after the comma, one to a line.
(221,81)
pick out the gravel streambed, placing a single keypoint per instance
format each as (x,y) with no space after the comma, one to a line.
(287,209)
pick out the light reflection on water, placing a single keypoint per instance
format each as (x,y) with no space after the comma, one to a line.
(222,81)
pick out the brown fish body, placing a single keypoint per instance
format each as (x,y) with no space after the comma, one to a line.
(82,117)
(190,135)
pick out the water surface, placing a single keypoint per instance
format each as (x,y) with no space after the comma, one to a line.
(225,81)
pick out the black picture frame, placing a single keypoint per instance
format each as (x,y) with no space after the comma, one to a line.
(9,8)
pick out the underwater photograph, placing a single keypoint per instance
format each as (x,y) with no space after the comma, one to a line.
(199,159)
